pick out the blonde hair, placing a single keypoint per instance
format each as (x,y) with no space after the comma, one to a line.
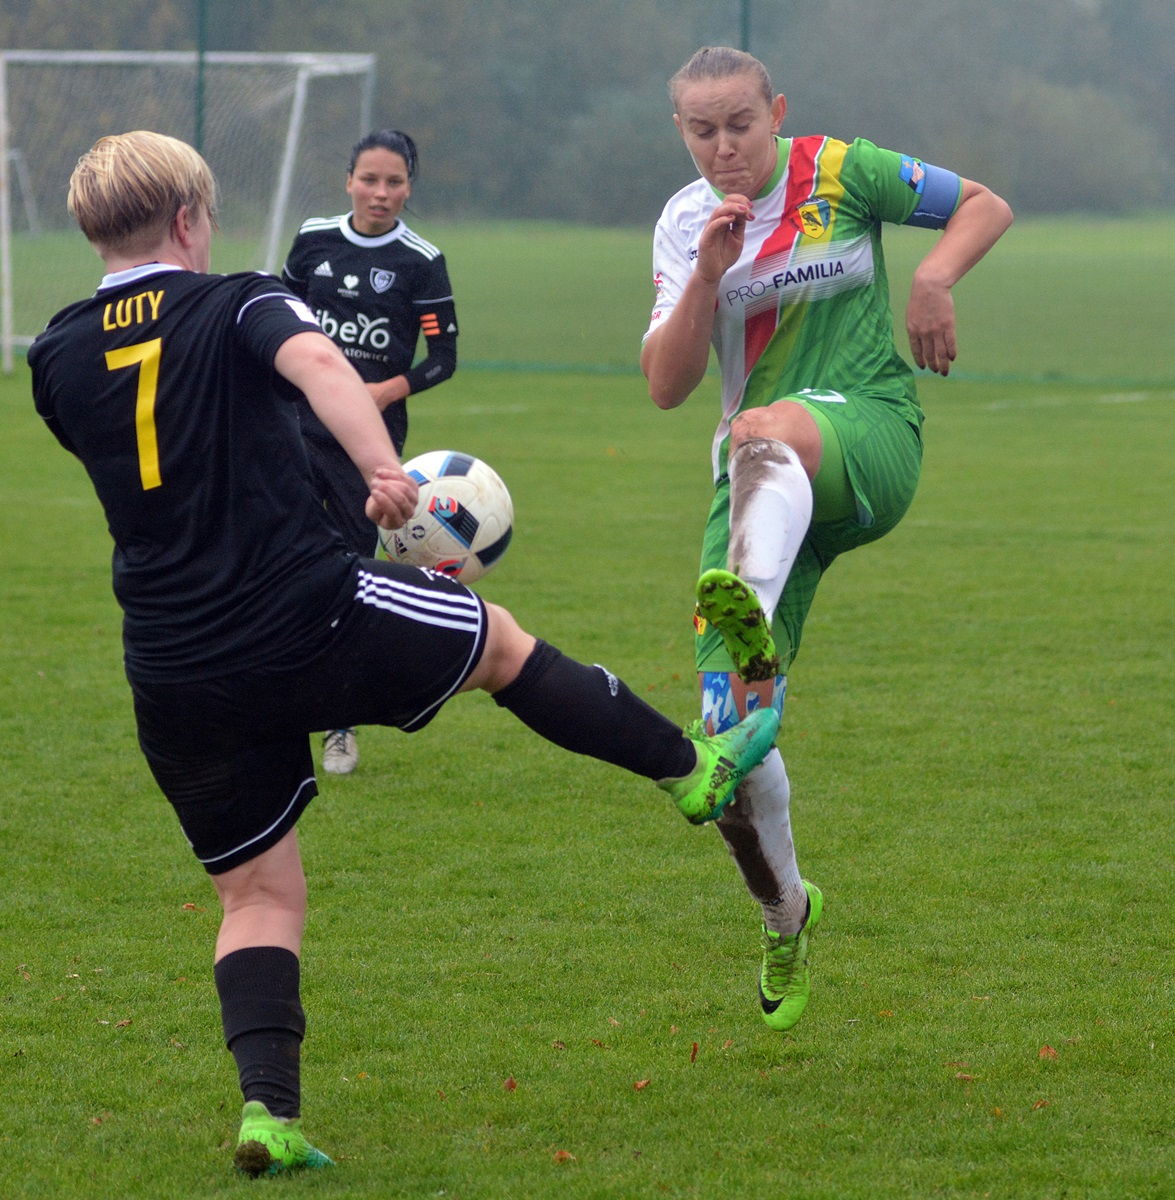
(126,190)
(720,62)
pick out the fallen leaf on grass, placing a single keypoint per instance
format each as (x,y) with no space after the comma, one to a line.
(963,1077)
(641,1084)
(1047,1051)
(510,1084)
(1040,1104)
(124,1023)
(563,1156)
(693,1054)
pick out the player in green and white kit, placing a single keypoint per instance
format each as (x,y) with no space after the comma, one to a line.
(774,257)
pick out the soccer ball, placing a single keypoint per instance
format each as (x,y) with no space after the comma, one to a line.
(463,520)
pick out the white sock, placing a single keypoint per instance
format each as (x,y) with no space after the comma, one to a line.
(757,828)
(770,511)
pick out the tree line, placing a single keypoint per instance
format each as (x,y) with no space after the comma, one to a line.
(546,110)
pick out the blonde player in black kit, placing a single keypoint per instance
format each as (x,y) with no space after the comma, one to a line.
(248,622)
(376,287)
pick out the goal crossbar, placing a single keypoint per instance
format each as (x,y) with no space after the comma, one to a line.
(306,67)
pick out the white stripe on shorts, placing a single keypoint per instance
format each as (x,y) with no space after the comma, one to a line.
(237,849)
(457,611)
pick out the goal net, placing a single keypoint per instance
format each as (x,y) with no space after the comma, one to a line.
(275,128)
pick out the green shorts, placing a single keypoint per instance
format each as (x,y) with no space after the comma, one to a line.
(867,479)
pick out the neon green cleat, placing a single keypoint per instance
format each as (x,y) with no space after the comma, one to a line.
(784,981)
(723,761)
(270,1145)
(732,607)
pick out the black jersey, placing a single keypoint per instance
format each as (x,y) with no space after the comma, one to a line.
(163,385)
(374,297)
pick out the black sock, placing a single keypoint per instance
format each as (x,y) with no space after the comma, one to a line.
(588,710)
(264,1024)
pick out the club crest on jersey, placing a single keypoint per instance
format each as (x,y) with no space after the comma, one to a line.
(813,217)
(381,279)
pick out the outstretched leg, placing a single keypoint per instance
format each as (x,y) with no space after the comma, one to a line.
(590,711)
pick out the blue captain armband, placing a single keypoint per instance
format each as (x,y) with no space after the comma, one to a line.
(938,193)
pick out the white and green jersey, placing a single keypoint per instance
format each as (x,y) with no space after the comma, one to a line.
(806,307)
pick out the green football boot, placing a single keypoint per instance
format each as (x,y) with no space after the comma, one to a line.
(732,607)
(723,761)
(784,981)
(270,1145)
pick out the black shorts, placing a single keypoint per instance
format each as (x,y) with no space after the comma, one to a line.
(232,753)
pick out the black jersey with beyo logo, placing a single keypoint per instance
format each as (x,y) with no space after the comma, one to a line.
(374,296)
(163,385)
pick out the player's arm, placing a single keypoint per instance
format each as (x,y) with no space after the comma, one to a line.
(340,400)
(296,285)
(979,220)
(292,272)
(675,356)
(438,323)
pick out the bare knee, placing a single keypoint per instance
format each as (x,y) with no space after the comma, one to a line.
(264,900)
(274,879)
(784,421)
(507,647)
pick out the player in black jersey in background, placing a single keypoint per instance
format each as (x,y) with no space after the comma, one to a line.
(248,622)
(375,286)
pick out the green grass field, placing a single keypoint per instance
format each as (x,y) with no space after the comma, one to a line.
(524,975)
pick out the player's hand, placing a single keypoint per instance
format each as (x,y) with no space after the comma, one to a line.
(722,238)
(930,324)
(387,392)
(393,497)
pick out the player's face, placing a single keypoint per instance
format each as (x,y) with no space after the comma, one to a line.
(378,187)
(730,129)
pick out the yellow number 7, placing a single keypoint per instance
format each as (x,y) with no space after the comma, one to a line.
(146,355)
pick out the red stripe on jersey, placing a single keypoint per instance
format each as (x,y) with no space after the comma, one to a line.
(801,175)
(430,324)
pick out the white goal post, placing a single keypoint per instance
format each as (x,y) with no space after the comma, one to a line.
(276,129)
